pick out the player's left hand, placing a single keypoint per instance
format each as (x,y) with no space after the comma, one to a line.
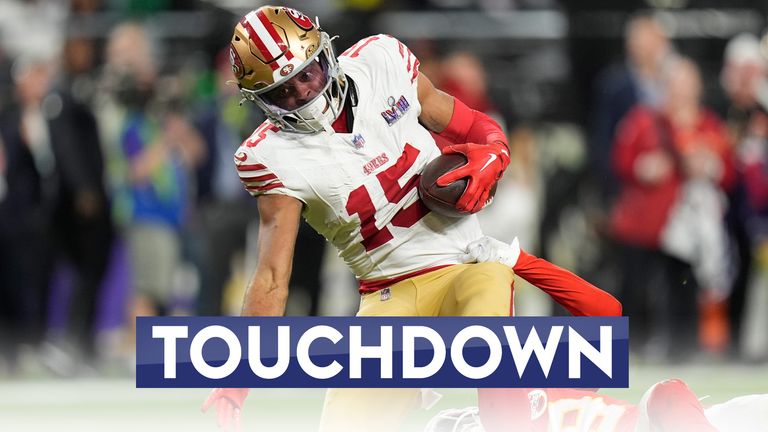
(485,166)
(488,249)
(228,403)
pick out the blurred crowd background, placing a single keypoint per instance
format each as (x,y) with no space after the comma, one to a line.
(638,130)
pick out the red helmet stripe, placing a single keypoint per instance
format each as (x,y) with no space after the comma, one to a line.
(254,37)
(274,35)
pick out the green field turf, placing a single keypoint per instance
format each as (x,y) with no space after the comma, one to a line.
(116,405)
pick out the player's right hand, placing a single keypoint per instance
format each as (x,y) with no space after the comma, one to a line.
(229,402)
(485,166)
(488,249)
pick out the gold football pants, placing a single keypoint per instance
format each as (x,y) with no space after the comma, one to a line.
(483,289)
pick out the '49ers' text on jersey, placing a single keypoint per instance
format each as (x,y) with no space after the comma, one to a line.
(359,189)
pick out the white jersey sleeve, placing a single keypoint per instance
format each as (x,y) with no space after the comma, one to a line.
(386,55)
(255,174)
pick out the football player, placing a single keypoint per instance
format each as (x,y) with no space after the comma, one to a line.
(344,145)
(668,406)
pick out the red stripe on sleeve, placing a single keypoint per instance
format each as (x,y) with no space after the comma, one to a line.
(259,178)
(408,65)
(362,45)
(264,188)
(415,70)
(349,50)
(253,167)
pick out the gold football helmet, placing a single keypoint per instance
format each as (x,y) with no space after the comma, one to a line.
(273,44)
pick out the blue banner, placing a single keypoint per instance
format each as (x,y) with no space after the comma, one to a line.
(444,352)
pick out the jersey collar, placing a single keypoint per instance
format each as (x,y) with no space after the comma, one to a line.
(346,119)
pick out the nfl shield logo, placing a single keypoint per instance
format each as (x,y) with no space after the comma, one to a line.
(358,141)
(386,294)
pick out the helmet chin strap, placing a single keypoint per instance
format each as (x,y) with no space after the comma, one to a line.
(315,112)
(325,123)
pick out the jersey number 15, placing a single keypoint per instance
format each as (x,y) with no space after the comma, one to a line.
(360,202)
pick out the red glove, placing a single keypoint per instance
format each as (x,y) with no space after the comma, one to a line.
(228,402)
(485,166)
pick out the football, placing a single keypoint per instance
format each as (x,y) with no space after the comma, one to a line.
(443,200)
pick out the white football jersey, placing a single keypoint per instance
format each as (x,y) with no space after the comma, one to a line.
(359,189)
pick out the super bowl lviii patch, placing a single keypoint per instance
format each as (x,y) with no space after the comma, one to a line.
(397,108)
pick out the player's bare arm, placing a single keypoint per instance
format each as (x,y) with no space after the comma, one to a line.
(267,290)
(436,105)
(476,136)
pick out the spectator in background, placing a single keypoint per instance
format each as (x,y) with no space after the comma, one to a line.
(153,153)
(160,152)
(658,156)
(618,89)
(66,211)
(743,78)
(462,75)
(10,304)
(30,135)
(79,79)
(753,158)
(82,220)
(20,211)
(6,83)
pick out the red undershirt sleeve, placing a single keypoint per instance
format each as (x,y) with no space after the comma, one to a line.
(578,296)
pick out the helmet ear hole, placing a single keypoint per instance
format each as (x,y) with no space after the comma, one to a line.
(237,38)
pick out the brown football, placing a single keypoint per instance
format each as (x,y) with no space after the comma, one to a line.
(443,200)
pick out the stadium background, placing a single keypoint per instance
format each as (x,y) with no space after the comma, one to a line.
(537,65)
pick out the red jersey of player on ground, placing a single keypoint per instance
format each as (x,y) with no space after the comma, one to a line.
(668,406)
